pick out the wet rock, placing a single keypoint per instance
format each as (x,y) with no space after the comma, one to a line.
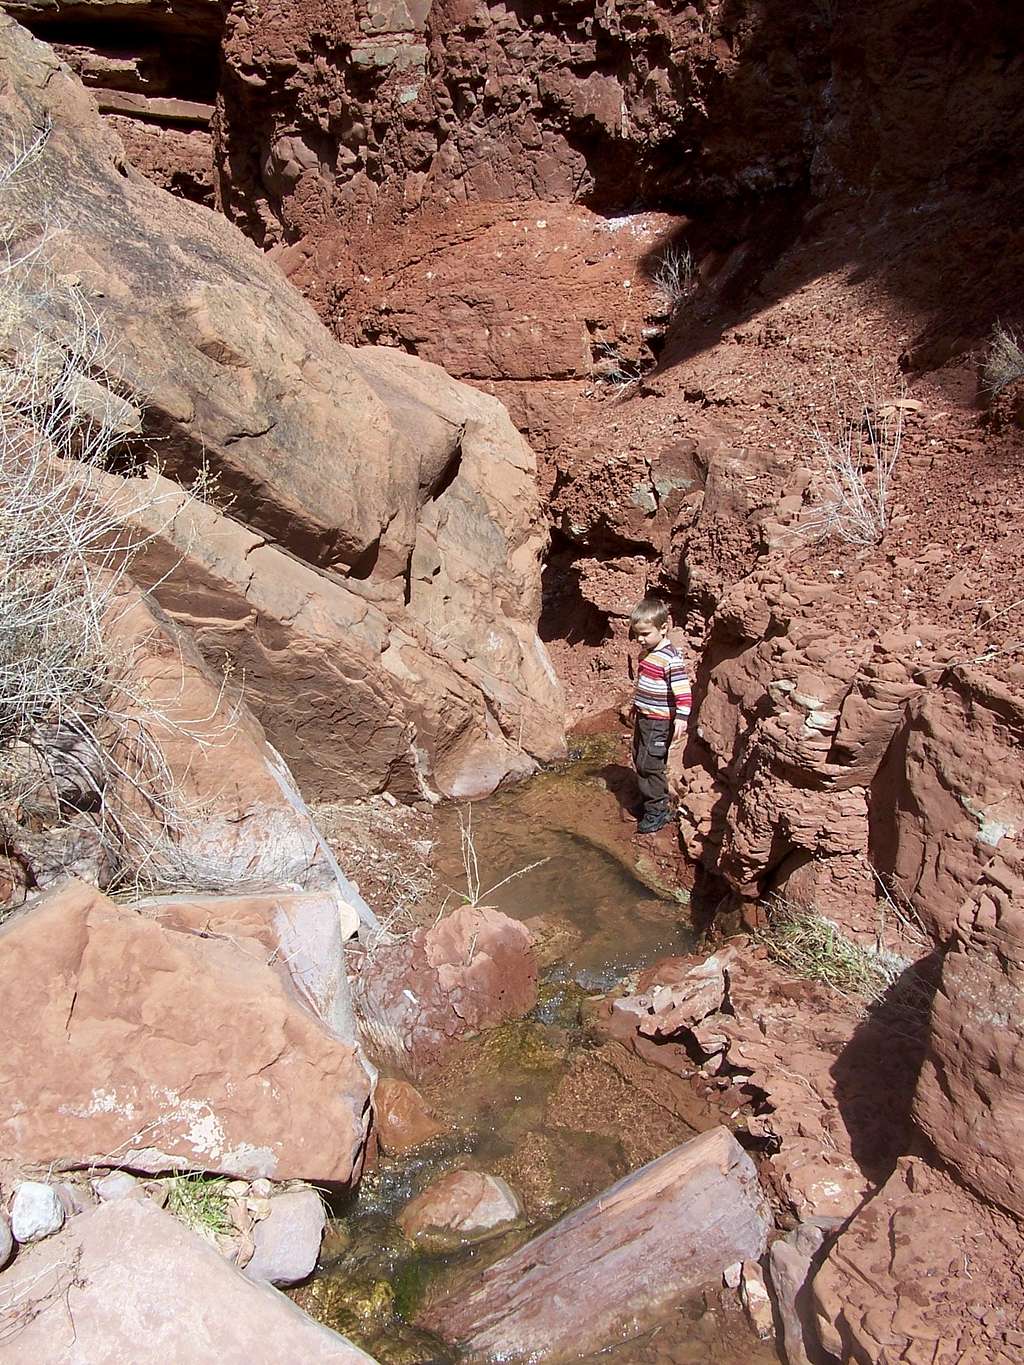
(163,1046)
(574,1288)
(111,1270)
(971,1089)
(470,971)
(36,1212)
(336,1240)
(403,1121)
(463,1206)
(346,1302)
(923,1271)
(287,1241)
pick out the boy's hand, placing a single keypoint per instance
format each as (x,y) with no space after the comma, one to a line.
(678,730)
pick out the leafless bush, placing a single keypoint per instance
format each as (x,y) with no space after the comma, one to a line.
(673,276)
(66,547)
(1004,361)
(474,893)
(857,454)
(615,371)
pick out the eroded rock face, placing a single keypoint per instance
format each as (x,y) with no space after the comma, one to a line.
(821,746)
(970,1093)
(412,495)
(100,1292)
(133,1043)
(924,1269)
(471,970)
(467,102)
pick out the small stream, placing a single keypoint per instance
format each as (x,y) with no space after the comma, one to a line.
(532,1101)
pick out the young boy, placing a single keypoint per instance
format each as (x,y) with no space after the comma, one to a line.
(660,707)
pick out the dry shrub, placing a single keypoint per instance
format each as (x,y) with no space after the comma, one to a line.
(857,453)
(1004,360)
(65,551)
(673,276)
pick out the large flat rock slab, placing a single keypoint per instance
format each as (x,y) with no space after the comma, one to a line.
(607,1270)
(405,499)
(131,1042)
(126,1284)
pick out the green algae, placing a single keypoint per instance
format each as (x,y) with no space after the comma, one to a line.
(516,1048)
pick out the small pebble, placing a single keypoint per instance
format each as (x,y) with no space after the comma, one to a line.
(117,1185)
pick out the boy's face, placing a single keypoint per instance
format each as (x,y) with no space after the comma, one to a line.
(648,636)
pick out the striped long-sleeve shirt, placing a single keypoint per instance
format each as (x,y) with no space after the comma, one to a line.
(662,687)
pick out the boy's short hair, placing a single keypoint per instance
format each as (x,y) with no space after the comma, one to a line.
(649,611)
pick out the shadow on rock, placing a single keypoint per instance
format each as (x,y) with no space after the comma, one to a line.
(876,1073)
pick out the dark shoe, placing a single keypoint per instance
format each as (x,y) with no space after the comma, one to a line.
(650,824)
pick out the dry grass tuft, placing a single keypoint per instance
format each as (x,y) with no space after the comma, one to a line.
(673,276)
(857,453)
(1004,361)
(814,947)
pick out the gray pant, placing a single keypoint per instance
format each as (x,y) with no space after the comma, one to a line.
(651,739)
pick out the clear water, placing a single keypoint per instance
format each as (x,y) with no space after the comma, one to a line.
(509,1095)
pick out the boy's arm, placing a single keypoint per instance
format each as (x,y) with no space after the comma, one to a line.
(679,687)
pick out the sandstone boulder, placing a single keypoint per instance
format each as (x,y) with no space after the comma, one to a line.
(588,1280)
(303,932)
(128,1283)
(461,1207)
(471,970)
(411,495)
(401,1118)
(970,1093)
(195,794)
(287,1241)
(135,1044)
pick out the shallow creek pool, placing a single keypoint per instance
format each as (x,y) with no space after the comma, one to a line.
(544,1102)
